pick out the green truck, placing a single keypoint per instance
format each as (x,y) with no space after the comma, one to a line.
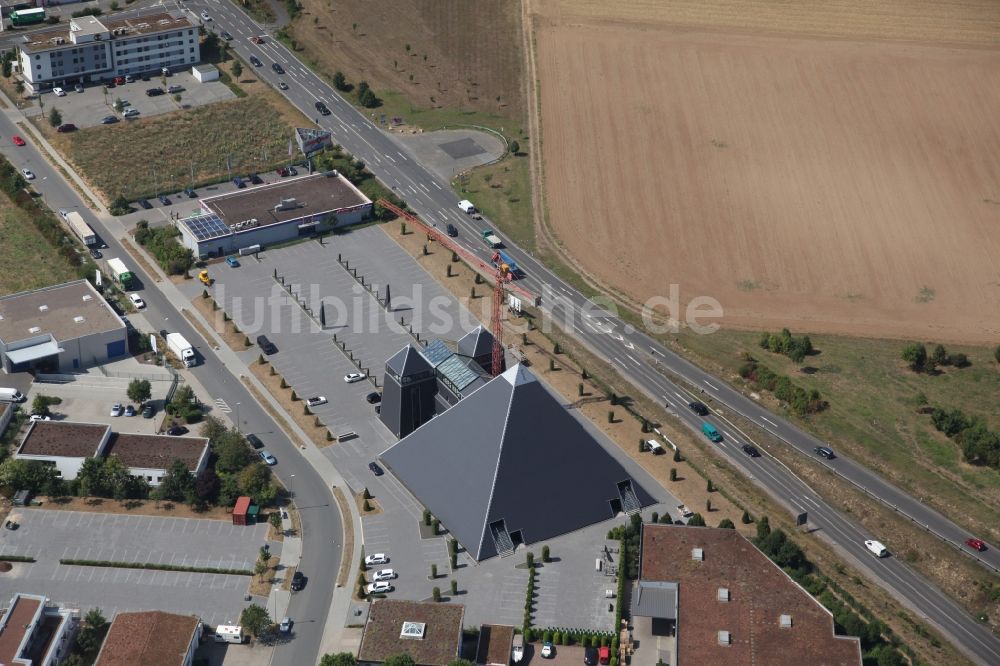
(491,239)
(121,273)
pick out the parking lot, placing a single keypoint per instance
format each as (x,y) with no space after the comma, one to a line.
(49,535)
(87,108)
(89,399)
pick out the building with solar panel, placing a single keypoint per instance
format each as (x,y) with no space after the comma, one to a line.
(253,218)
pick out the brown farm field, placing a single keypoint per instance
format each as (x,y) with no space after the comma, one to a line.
(843,181)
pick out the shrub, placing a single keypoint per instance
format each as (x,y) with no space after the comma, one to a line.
(746,519)
(367,506)
(709,487)
(427,517)
(677,455)
(436,594)
(434,571)
(915,355)
(673,473)
(545,554)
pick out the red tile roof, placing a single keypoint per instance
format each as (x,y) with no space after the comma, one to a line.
(150,638)
(759,593)
(12,632)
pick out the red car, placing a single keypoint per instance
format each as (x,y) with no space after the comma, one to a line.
(283,171)
(18,141)
(975,544)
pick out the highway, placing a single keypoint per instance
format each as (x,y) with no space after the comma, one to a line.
(322,529)
(638,358)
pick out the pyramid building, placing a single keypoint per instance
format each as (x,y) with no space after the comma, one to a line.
(510,465)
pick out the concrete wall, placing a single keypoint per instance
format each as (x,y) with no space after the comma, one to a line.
(90,350)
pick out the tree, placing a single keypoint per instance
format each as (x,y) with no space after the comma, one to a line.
(92,631)
(996,354)
(255,619)
(746,519)
(275,520)
(120,206)
(255,481)
(727,524)
(399,660)
(515,147)
(212,428)
(545,554)
(339,81)
(207,485)
(178,484)
(18,474)
(339,659)
(763,528)
(19,88)
(55,118)
(41,404)
(368,99)
(231,450)
(915,355)
(183,397)
(237,69)
(939,356)
(696,521)
(139,390)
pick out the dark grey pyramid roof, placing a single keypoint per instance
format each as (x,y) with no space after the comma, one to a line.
(477,342)
(510,451)
(407,361)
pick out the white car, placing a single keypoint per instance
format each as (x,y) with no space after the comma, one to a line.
(130,113)
(377,558)
(379,588)
(205,16)
(117,409)
(28,174)
(59,92)
(137,301)
(383,574)
(40,417)
(353,377)
(266,456)
(316,401)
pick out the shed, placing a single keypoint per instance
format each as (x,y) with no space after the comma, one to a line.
(241,510)
(205,73)
(22,498)
(253,513)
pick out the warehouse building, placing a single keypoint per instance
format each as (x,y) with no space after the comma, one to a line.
(93,49)
(256,217)
(59,329)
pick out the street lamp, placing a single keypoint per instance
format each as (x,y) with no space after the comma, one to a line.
(237,417)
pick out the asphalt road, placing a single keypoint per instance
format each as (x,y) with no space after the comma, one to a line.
(322,529)
(636,356)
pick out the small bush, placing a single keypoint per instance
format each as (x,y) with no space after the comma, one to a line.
(673,473)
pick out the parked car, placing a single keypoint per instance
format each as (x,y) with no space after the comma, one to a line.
(452,230)
(109,120)
(254,179)
(145,204)
(148,411)
(282,85)
(18,141)
(154,92)
(238,182)
(373,397)
(298,581)
(824,452)
(352,377)
(120,80)
(975,544)
(751,451)
(233,261)
(66,127)
(292,171)
(316,401)
(95,253)
(548,651)
(59,92)
(266,456)
(255,61)
(130,113)
(177,431)
(78,87)
(283,171)
(375,468)
(28,174)
(383,574)
(40,417)
(129,410)
(164,200)
(698,408)
(376,558)
(226,36)
(266,345)
(205,16)
(254,441)
(380,587)
(175,89)
(590,656)
(190,193)
(116,409)
(137,301)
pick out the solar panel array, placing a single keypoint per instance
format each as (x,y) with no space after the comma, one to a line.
(207,227)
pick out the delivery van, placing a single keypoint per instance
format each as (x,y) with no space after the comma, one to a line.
(877,548)
(709,431)
(654,447)
(11,395)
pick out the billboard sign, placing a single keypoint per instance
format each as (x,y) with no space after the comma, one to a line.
(312,141)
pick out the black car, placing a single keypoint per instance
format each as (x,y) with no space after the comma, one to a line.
(698,408)
(95,253)
(254,441)
(278,69)
(154,92)
(191,193)
(255,179)
(226,36)
(164,200)
(266,345)
(590,656)
(824,452)
(376,470)
(298,581)
(255,61)
(109,120)
(373,397)
(321,107)
(145,204)
(175,431)
(66,127)
(751,451)
(452,231)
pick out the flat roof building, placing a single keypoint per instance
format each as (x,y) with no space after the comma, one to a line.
(273,213)
(494,645)
(150,638)
(33,632)
(64,444)
(59,328)
(708,596)
(94,49)
(431,633)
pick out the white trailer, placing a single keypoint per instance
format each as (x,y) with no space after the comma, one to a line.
(182,349)
(229,633)
(81,228)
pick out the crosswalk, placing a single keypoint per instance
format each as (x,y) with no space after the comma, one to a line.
(221,405)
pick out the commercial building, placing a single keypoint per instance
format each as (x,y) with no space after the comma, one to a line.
(153,638)
(510,465)
(95,49)
(59,329)
(66,444)
(708,596)
(494,645)
(431,633)
(273,213)
(34,632)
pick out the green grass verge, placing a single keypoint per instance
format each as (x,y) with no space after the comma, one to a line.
(17,558)
(395,104)
(502,191)
(30,259)
(155,567)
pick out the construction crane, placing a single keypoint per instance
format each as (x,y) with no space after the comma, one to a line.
(496,322)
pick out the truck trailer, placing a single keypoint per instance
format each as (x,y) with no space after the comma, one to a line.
(501,258)
(182,349)
(121,273)
(80,228)
(491,239)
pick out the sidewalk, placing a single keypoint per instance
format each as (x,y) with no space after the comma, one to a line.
(334,633)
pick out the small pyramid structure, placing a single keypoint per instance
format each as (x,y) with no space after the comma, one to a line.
(510,464)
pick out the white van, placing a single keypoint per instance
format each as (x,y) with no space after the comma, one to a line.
(11,395)
(654,447)
(877,548)
(466,207)
(229,633)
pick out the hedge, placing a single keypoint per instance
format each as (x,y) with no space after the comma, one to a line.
(17,558)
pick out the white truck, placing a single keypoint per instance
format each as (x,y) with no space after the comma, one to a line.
(517,650)
(182,349)
(11,395)
(877,548)
(80,228)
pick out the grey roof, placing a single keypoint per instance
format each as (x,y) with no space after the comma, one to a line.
(477,342)
(509,451)
(436,353)
(407,362)
(655,599)
(457,371)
